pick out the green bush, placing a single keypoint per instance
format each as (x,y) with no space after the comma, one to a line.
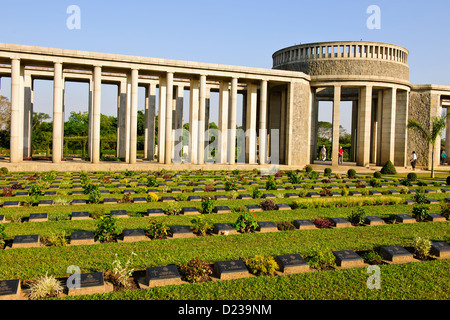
(327,171)
(262,265)
(246,222)
(377,174)
(321,260)
(351,173)
(151,182)
(201,225)
(106,228)
(271,184)
(420,197)
(313,175)
(230,185)
(173,208)
(357,216)
(412,176)
(421,247)
(196,270)
(257,193)
(372,257)
(308,168)
(420,212)
(207,205)
(388,168)
(95,196)
(4,170)
(157,229)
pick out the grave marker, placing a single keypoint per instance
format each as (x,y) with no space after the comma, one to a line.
(233,269)
(26,241)
(292,263)
(10,289)
(396,254)
(81,237)
(80,215)
(133,235)
(90,283)
(348,259)
(304,224)
(181,232)
(161,276)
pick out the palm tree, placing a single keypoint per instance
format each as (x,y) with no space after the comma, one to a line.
(430,135)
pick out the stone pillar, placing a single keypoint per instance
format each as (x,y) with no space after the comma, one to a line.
(96,109)
(223,122)
(133,114)
(314,124)
(354,131)
(168,129)
(201,121)
(282,127)
(401,131)
(162,118)
(250,134)
(336,125)
(177,122)
(263,123)
(364,121)
(193,120)
(15,133)
(379,126)
(58,87)
(150,110)
(232,122)
(388,126)
(28,116)
(90,112)
(447,136)
(122,136)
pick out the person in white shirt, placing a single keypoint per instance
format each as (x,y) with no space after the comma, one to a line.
(414,160)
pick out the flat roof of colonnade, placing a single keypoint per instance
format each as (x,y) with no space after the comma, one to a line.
(35,56)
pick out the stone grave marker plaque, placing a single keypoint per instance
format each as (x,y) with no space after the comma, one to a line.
(375,193)
(374,221)
(26,241)
(77,202)
(44,203)
(253,208)
(81,237)
(224,229)
(80,215)
(304,224)
(283,206)
(440,250)
(77,193)
(313,195)
(139,200)
(110,201)
(348,259)
(233,269)
(396,254)
(38,217)
(50,193)
(268,196)
(161,276)
(90,283)
(436,217)
(410,202)
(291,195)
(404,218)
(155,212)
(245,197)
(132,235)
(340,222)
(181,232)
(195,198)
(10,289)
(267,226)
(120,213)
(432,201)
(355,193)
(2,218)
(222,209)
(221,197)
(292,263)
(189,210)
(167,199)
(10,204)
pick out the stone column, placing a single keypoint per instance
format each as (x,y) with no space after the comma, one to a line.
(336,125)
(401,132)
(447,136)
(250,134)
(15,133)
(122,136)
(90,112)
(379,125)
(133,115)
(201,121)
(388,126)
(96,109)
(28,116)
(168,135)
(58,87)
(314,124)
(223,122)
(162,118)
(232,122)
(178,100)
(150,110)
(364,121)
(193,121)
(263,123)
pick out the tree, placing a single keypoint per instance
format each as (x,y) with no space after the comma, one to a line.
(5,113)
(430,134)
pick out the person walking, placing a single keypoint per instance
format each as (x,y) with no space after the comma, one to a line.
(340,155)
(414,160)
(323,153)
(443,157)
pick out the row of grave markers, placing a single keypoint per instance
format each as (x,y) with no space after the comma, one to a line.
(90,283)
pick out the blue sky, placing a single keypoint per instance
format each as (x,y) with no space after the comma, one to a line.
(244,33)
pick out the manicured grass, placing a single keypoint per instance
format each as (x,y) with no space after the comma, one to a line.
(426,280)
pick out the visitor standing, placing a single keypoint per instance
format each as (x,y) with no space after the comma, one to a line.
(323,153)
(414,160)
(443,157)
(340,155)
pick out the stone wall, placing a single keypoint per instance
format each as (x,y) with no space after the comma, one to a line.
(419,110)
(357,67)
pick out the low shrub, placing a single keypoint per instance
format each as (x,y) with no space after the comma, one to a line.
(56,239)
(420,197)
(327,171)
(201,225)
(357,216)
(106,228)
(207,205)
(268,204)
(262,265)
(126,198)
(7,192)
(44,287)
(196,270)
(230,185)
(271,184)
(152,197)
(123,272)
(157,229)
(285,225)
(308,168)
(388,168)
(322,223)
(412,176)
(321,260)
(377,174)
(351,173)
(95,196)
(372,257)
(421,247)
(246,222)
(420,212)
(257,193)
(445,210)
(173,208)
